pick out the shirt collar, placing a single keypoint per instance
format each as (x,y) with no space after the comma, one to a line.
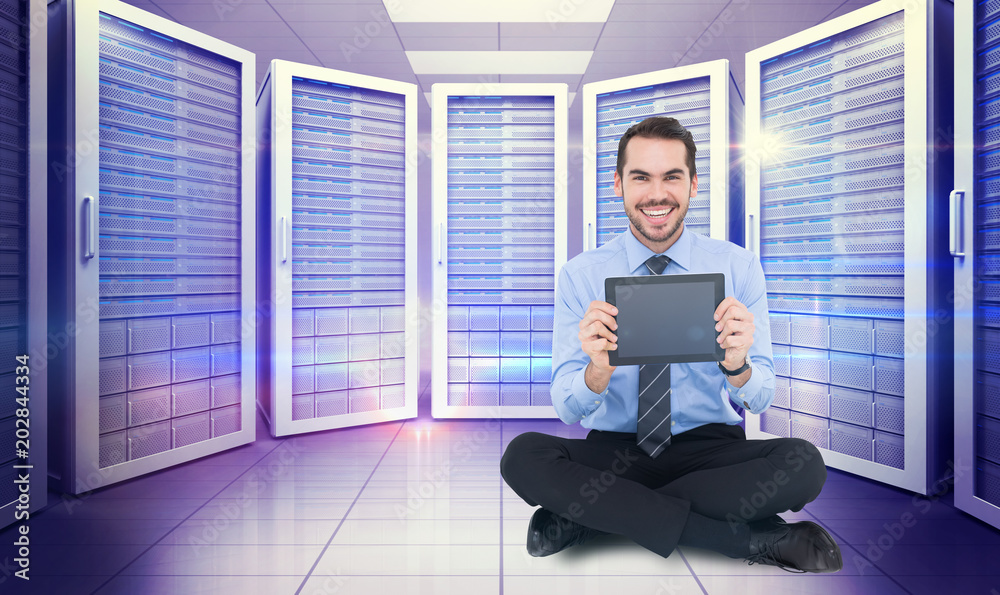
(638,253)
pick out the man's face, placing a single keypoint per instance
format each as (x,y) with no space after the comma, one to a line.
(657,187)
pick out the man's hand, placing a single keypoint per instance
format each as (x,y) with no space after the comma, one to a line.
(736,327)
(596,339)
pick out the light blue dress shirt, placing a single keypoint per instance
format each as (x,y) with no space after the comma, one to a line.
(699,390)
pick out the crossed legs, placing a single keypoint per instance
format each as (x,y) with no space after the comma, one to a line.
(606,483)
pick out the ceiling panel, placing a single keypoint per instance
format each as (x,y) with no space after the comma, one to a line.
(639,54)
(360,13)
(666,13)
(267,44)
(344,31)
(645,43)
(646,29)
(547,43)
(610,71)
(385,41)
(845,9)
(389,71)
(150,7)
(303,56)
(166,4)
(274,28)
(719,3)
(221,12)
(499,62)
(570,80)
(811,12)
(451,43)
(550,29)
(520,11)
(336,2)
(766,31)
(426,80)
(447,29)
(365,57)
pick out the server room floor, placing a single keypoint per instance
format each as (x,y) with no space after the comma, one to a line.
(418,506)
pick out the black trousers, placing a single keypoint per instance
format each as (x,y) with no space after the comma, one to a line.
(607,483)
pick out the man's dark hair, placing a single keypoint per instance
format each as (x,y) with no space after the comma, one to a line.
(658,127)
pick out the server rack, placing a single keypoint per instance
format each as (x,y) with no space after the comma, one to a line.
(23,256)
(337,246)
(153,194)
(499,200)
(704,98)
(975,247)
(841,183)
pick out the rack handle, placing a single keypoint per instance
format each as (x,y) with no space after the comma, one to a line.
(590,239)
(89,227)
(284,239)
(442,248)
(750,243)
(957,227)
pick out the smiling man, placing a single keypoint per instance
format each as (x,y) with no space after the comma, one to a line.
(682,472)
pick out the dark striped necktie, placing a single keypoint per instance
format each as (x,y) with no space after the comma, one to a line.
(653,428)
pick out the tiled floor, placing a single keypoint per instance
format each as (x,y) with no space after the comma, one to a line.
(412,507)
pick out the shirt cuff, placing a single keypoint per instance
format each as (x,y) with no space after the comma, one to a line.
(587,400)
(746,395)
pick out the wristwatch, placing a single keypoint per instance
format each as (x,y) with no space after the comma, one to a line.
(737,371)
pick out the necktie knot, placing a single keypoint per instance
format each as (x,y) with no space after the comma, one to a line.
(656,264)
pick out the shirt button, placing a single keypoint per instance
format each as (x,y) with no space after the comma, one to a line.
(597,402)
(742,395)
(673,423)
(745,405)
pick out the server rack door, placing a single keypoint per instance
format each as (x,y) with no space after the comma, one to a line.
(160,232)
(699,97)
(340,208)
(23,412)
(828,131)
(974,228)
(499,216)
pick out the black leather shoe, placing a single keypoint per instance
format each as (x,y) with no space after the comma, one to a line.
(795,547)
(549,533)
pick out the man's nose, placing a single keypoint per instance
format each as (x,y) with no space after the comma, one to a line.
(659,189)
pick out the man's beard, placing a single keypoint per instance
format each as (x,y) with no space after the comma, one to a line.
(635,217)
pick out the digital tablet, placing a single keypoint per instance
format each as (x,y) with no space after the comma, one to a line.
(666,318)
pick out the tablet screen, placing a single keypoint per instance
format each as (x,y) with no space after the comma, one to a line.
(667,318)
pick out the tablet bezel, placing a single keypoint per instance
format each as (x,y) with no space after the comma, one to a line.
(611,285)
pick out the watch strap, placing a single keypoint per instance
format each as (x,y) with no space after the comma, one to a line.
(737,371)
